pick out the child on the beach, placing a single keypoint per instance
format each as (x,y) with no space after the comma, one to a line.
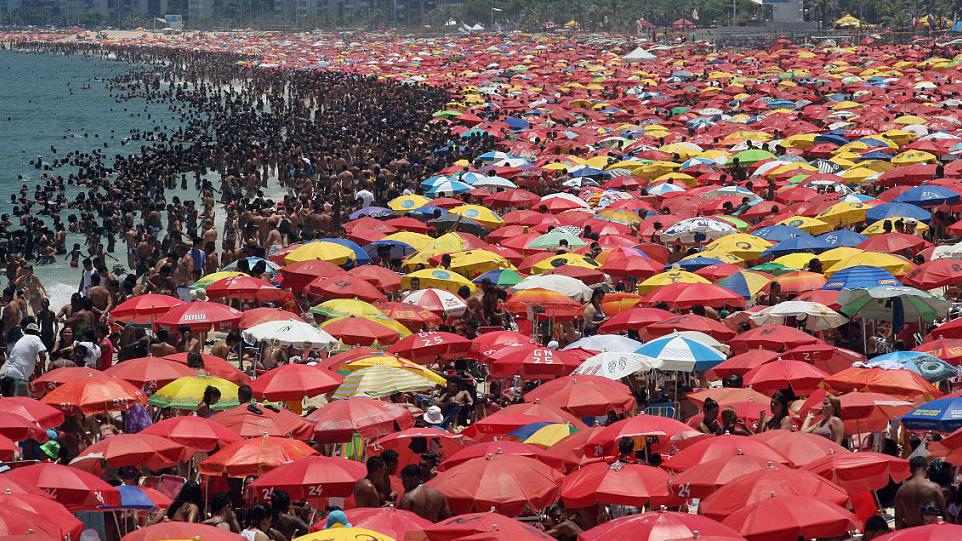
(74,255)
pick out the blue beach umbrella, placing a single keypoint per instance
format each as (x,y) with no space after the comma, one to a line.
(897,210)
(795,245)
(361,257)
(928,366)
(447,188)
(695,263)
(928,196)
(373,212)
(272,267)
(842,237)
(942,415)
(779,233)
(860,277)
(427,211)
(681,353)
(394,249)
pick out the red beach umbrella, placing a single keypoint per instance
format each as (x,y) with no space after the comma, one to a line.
(771,337)
(604,442)
(634,319)
(75,489)
(294,382)
(311,477)
(16,522)
(503,447)
(744,362)
(584,396)
(144,309)
(96,393)
(297,275)
(149,373)
(345,287)
(465,525)
(615,484)
(940,531)
(154,452)
(180,530)
(256,316)
(703,479)
(337,421)
(359,331)
(786,518)
(47,509)
(722,447)
(661,526)
(193,431)
(690,322)
(57,377)
(862,471)
(201,316)
(427,346)
(506,483)
(255,422)
(800,448)
(215,366)
(685,295)
(33,410)
(800,376)
(390,521)
(761,485)
(382,277)
(254,456)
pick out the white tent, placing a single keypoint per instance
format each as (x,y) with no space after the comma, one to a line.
(638,55)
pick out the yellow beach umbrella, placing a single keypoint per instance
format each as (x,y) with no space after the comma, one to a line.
(844,213)
(345,307)
(878,228)
(555,261)
(406,203)
(797,261)
(438,278)
(393,361)
(832,257)
(186,393)
(812,226)
(418,241)
(213,277)
(324,251)
(345,534)
(482,215)
(743,245)
(381,381)
(892,263)
(670,277)
(913,157)
(548,435)
(474,263)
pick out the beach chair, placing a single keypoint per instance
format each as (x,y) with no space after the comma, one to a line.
(663,409)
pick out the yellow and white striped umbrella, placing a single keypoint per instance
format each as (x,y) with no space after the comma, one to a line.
(381,381)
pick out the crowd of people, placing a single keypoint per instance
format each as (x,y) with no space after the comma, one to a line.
(282,157)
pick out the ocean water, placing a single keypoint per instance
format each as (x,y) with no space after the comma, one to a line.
(43,104)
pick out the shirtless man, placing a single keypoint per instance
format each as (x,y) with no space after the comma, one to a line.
(99,296)
(915,493)
(223,348)
(428,503)
(162,347)
(365,492)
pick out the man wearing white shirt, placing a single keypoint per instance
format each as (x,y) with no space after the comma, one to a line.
(22,362)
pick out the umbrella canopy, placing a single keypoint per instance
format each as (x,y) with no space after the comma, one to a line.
(703,479)
(680,353)
(660,526)
(615,366)
(360,331)
(338,421)
(897,304)
(943,415)
(168,530)
(862,471)
(187,393)
(294,382)
(192,431)
(41,509)
(296,334)
(31,409)
(763,484)
(255,456)
(506,483)
(149,373)
(800,448)
(617,484)
(95,393)
(144,309)
(381,381)
(928,366)
(154,452)
(389,521)
(584,396)
(721,447)
(940,531)
(75,489)
(254,422)
(428,346)
(310,477)
(201,316)
(786,518)
(467,525)
(514,448)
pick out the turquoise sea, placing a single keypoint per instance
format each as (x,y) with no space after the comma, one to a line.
(43,99)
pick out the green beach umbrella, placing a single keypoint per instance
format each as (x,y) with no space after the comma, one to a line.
(753,156)
(893,303)
(553,238)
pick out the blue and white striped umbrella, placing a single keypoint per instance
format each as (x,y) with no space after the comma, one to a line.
(448,188)
(682,354)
